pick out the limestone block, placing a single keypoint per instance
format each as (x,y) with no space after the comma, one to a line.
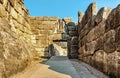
(5,3)
(45,18)
(117,39)
(40,49)
(91,35)
(21,19)
(102,14)
(67,20)
(16,24)
(1,1)
(113,20)
(100,60)
(83,41)
(18,8)
(74,41)
(2,68)
(80,16)
(41,37)
(109,43)
(90,47)
(53,18)
(72,33)
(90,13)
(13,13)
(12,2)
(100,43)
(57,37)
(3,13)
(100,29)
(37,31)
(84,31)
(7,6)
(74,49)
(42,42)
(46,32)
(17,51)
(71,28)
(81,50)
(112,63)
(40,18)
(12,26)
(50,37)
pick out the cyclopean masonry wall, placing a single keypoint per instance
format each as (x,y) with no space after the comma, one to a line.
(16,50)
(99,38)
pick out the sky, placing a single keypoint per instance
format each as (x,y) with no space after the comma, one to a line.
(64,8)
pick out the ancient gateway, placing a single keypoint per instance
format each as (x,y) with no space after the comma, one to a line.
(95,39)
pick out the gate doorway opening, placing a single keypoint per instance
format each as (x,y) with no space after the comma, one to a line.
(60,48)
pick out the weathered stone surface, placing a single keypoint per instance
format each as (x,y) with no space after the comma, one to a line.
(109,43)
(3,13)
(1,1)
(16,52)
(73,33)
(74,40)
(80,16)
(102,14)
(90,12)
(90,48)
(99,39)
(100,60)
(113,19)
(71,28)
(117,39)
(12,2)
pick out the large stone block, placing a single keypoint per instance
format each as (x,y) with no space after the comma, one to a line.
(12,2)
(113,20)
(112,63)
(90,47)
(74,41)
(90,12)
(117,39)
(80,16)
(72,28)
(13,13)
(3,13)
(109,41)
(53,18)
(102,14)
(1,1)
(100,60)
(73,33)
(18,7)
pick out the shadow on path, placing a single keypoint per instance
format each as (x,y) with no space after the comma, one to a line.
(62,64)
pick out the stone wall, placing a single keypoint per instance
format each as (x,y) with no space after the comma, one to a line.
(72,40)
(99,38)
(16,50)
(23,37)
(44,31)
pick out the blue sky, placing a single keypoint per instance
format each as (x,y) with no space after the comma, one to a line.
(64,8)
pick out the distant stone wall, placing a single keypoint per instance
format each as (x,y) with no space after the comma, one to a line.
(99,38)
(16,50)
(44,31)
(72,41)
